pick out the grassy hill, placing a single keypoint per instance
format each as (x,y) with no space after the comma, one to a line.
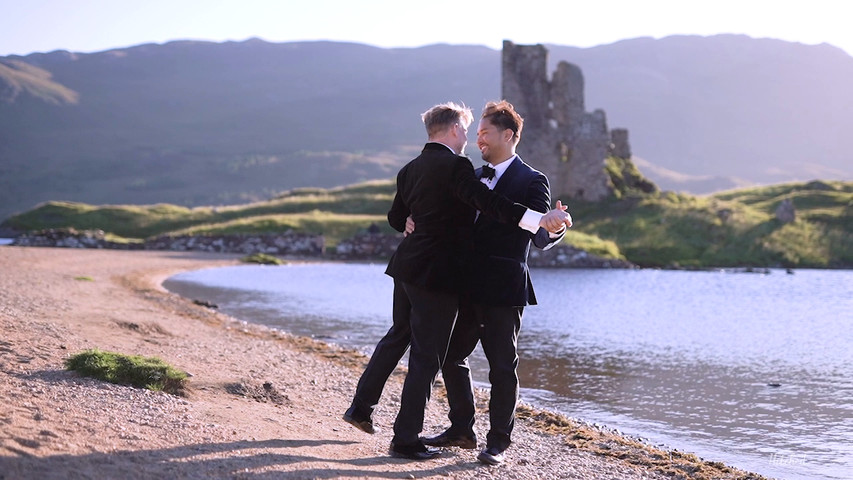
(730,229)
(736,228)
(336,212)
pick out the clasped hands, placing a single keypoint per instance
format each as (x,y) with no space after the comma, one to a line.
(557,219)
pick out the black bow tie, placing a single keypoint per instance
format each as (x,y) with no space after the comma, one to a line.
(487,172)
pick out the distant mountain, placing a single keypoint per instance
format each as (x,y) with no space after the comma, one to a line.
(760,110)
(216,123)
(667,179)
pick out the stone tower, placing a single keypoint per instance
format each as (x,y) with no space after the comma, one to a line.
(560,137)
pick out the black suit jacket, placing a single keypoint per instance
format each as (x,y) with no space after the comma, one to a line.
(439,190)
(499,273)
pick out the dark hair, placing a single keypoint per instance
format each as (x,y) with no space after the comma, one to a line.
(503,115)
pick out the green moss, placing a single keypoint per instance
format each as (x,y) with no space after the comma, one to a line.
(261,259)
(626,178)
(143,372)
(593,245)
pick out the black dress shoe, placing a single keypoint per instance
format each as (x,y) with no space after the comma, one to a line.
(415,451)
(491,456)
(360,421)
(446,439)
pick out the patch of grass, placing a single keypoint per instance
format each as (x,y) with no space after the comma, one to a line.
(372,187)
(754,195)
(658,229)
(84,278)
(593,244)
(731,229)
(333,226)
(261,259)
(142,221)
(626,178)
(110,237)
(128,221)
(143,372)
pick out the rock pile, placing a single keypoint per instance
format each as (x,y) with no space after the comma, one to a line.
(362,246)
(785,212)
(567,256)
(71,238)
(287,243)
(368,245)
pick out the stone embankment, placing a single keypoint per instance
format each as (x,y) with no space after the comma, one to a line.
(567,256)
(287,243)
(363,246)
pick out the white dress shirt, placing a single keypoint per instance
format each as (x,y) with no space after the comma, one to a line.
(531,218)
(499,170)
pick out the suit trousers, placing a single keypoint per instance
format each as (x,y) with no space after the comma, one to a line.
(432,319)
(387,354)
(497,328)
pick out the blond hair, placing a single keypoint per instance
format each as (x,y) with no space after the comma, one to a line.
(443,116)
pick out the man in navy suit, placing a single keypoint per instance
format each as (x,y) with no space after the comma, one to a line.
(499,289)
(439,191)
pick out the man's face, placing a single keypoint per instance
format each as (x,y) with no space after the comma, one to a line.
(491,141)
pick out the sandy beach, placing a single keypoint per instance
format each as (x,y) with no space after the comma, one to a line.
(261,403)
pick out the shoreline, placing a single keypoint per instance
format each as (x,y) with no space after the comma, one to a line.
(261,402)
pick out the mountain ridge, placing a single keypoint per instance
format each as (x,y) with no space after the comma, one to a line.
(195,123)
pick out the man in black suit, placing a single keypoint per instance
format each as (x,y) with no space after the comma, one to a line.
(439,192)
(500,289)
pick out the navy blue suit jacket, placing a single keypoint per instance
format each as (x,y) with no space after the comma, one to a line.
(499,273)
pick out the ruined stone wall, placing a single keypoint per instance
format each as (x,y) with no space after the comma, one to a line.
(619,145)
(560,137)
(525,79)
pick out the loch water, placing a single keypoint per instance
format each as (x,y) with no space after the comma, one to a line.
(751,369)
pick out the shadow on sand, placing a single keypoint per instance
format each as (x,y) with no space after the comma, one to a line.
(268,459)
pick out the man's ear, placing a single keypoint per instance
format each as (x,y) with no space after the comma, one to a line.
(507,135)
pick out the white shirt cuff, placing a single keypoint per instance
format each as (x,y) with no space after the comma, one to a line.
(555,235)
(530,221)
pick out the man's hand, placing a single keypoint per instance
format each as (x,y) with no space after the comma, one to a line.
(557,219)
(410,226)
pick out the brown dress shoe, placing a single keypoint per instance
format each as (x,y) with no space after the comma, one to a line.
(360,421)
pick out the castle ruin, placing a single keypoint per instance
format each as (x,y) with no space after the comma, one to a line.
(560,137)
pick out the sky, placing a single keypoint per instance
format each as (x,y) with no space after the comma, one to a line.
(28,26)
